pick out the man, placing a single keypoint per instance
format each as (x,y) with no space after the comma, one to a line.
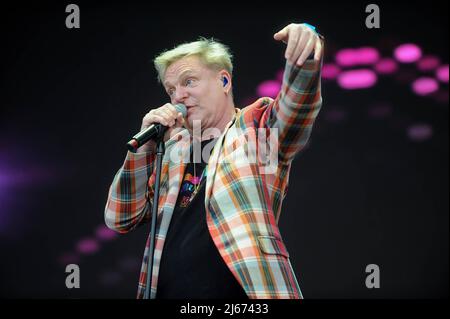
(217,234)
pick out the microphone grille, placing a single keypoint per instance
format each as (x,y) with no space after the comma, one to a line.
(181,108)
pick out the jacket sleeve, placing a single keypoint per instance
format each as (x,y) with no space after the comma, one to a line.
(126,206)
(295,109)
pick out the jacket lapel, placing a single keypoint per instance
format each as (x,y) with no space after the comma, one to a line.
(213,160)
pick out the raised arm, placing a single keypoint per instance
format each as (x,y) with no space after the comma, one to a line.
(297,105)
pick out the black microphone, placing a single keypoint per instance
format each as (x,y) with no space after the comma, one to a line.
(153,131)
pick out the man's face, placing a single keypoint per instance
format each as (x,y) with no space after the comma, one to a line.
(190,82)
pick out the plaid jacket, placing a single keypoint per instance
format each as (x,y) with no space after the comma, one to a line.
(242,202)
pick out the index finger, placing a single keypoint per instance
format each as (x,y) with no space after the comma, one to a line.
(318,50)
(293,38)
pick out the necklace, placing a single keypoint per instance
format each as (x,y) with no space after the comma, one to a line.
(197,180)
(192,183)
(190,188)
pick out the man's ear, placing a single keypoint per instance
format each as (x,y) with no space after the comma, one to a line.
(225,79)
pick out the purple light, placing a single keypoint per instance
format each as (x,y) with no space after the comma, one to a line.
(442,73)
(346,57)
(69,258)
(104,233)
(7,183)
(87,246)
(428,63)
(420,132)
(380,111)
(368,55)
(330,71)
(19,175)
(269,88)
(6,178)
(407,53)
(357,79)
(335,115)
(353,57)
(386,66)
(425,86)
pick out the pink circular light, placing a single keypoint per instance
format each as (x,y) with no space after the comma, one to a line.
(425,86)
(330,71)
(428,63)
(346,57)
(87,246)
(442,73)
(368,55)
(386,66)
(420,132)
(269,88)
(408,53)
(104,233)
(360,56)
(357,79)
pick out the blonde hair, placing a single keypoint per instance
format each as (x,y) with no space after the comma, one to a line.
(212,53)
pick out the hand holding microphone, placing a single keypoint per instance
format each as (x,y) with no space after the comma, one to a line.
(165,118)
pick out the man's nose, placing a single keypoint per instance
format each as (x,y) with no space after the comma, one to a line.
(181,94)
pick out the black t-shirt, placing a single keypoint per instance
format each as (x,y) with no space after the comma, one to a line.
(191,266)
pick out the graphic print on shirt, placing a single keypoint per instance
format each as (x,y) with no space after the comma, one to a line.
(188,188)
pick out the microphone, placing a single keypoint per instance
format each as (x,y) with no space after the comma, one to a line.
(151,132)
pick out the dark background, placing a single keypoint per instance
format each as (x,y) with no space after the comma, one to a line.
(361,193)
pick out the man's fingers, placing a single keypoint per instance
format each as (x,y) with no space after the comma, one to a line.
(281,35)
(318,50)
(171,112)
(301,43)
(304,38)
(306,52)
(160,119)
(292,43)
(167,115)
(180,119)
(172,109)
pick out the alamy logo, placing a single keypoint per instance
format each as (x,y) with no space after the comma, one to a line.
(242,147)
(73,279)
(373,19)
(73,19)
(373,279)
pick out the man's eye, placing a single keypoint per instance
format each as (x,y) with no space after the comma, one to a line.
(189,81)
(170,92)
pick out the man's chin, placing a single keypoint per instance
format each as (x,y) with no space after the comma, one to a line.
(195,120)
